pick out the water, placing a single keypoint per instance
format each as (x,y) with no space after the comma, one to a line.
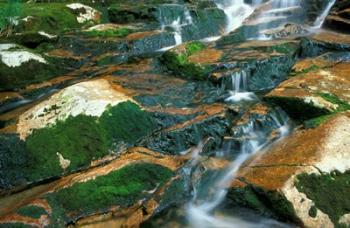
(239,88)
(175,17)
(320,19)
(236,12)
(201,211)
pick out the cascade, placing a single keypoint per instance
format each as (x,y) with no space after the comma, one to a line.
(206,199)
(239,88)
(174,16)
(320,19)
(236,11)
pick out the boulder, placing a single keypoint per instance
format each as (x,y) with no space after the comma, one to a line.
(303,178)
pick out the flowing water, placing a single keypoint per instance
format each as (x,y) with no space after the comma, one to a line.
(208,196)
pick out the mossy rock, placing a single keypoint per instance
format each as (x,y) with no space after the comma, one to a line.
(177,61)
(117,32)
(49,17)
(329,192)
(123,14)
(268,203)
(32,211)
(32,71)
(82,139)
(122,188)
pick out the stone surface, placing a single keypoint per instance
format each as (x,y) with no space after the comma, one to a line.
(273,179)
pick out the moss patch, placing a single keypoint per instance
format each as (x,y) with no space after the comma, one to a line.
(118,32)
(32,211)
(329,192)
(179,64)
(82,139)
(48,17)
(122,187)
(79,139)
(342,105)
(127,122)
(315,122)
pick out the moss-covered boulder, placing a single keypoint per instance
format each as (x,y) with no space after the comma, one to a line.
(20,67)
(127,191)
(302,178)
(72,130)
(319,87)
(191,60)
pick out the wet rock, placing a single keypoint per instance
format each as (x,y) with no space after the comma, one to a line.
(213,123)
(339,17)
(303,178)
(319,88)
(76,127)
(136,185)
(20,66)
(324,42)
(264,63)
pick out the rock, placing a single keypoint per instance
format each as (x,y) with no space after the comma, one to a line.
(339,17)
(304,178)
(20,66)
(74,129)
(319,88)
(324,42)
(85,13)
(191,60)
(139,180)
(213,124)
(264,63)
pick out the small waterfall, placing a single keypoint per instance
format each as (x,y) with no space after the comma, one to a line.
(201,210)
(175,17)
(320,19)
(239,88)
(236,11)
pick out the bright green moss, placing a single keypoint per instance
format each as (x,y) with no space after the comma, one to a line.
(342,105)
(118,32)
(315,122)
(194,47)
(32,211)
(122,187)
(127,122)
(49,17)
(82,139)
(179,64)
(79,139)
(329,192)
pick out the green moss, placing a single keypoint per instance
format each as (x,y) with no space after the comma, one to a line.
(82,139)
(315,122)
(313,67)
(284,48)
(313,212)
(342,105)
(49,17)
(179,64)
(194,47)
(118,32)
(268,203)
(127,122)
(122,187)
(329,192)
(32,211)
(79,139)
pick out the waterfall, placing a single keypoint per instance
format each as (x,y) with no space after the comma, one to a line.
(175,17)
(320,19)
(239,88)
(201,209)
(236,12)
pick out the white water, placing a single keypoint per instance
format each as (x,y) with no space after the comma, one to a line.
(201,210)
(239,88)
(320,19)
(236,12)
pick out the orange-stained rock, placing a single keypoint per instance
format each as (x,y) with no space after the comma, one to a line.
(321,150)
